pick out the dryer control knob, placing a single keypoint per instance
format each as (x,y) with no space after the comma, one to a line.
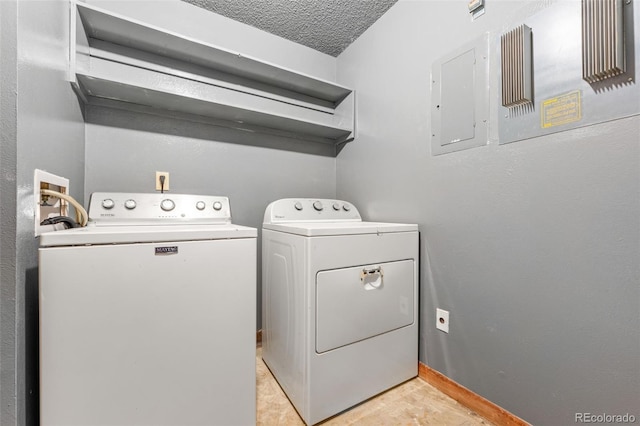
(200,205)
(336,206)
(346,207)
(217,205)
(167,205)
(130,204)
(298,205)
(108,203)
(317,205)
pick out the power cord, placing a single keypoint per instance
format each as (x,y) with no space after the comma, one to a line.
(81,214)
(65,220)
(162,178)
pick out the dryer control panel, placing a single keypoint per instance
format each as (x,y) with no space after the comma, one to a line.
(120,208)
(311,210)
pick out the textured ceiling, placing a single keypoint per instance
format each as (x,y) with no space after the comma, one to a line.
(325,25)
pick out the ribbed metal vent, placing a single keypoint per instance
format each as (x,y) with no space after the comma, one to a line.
(517,84)
(602,39)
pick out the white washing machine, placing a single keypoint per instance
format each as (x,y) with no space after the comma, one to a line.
(339,304)
(147,315)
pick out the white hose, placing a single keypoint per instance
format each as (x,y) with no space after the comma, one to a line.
(81,214)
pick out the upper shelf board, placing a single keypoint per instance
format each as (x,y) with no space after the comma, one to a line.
(107,26)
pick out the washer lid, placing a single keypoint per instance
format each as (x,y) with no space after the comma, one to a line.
(317,229)
(143,234)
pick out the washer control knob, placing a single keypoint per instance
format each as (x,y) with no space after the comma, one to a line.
(108,204)
(346,207)
(130,204)
(336,206)
(318,206)
(167,205)
(298,205)
(200,205)
(217,205)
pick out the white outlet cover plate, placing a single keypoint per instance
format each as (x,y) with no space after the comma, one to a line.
(444,315)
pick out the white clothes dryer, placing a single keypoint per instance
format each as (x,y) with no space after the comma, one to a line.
(147,315)
(339,304)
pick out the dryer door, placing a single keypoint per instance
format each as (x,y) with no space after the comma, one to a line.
(357,303)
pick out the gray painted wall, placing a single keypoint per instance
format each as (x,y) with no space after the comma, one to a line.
(46,131)
(125,149)
(533,247)
(8,146)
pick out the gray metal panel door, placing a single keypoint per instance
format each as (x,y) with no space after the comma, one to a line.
(353,304)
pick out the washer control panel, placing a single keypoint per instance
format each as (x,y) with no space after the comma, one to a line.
(309,210)
(111,208)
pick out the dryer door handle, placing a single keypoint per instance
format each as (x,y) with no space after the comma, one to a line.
(371,271)
(372,278)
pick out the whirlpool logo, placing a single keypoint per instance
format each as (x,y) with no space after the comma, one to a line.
(166,250)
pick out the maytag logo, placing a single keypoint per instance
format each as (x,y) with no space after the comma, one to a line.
(166,250)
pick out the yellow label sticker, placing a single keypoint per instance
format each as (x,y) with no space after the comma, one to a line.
(562,109)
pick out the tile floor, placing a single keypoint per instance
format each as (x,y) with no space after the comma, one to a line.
(412,403)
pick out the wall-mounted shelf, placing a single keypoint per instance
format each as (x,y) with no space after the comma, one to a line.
(118,60)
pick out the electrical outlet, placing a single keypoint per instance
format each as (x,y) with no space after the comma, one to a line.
(442,320)
(46,206)
(159,185)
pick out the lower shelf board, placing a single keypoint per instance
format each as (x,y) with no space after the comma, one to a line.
(246,111)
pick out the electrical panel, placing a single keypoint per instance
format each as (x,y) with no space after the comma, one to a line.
(460,98)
